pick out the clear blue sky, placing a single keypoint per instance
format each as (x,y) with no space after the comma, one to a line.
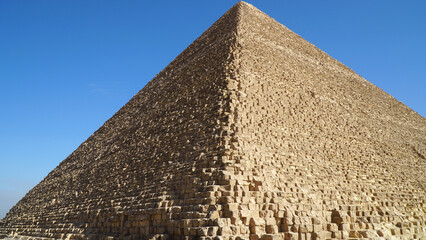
(68,66)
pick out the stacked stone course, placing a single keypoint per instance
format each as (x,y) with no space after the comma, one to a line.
(250,133)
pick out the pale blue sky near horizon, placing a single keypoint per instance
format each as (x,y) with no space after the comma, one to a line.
(68,66)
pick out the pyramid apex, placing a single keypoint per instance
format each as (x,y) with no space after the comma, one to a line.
(244,9)
(242,4)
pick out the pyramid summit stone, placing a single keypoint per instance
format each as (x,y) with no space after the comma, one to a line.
(250,133)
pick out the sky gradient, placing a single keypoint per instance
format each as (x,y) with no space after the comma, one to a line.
(68,66)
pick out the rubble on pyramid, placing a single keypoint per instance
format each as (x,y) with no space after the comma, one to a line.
(250,133)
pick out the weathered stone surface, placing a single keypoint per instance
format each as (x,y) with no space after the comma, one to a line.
(250,133)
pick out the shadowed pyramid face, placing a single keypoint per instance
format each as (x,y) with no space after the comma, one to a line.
(251,132)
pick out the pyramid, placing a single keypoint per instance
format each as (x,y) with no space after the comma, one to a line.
(250,133)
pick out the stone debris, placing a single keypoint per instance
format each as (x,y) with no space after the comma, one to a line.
(250,133)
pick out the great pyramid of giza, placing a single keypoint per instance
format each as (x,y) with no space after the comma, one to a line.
(250,133)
